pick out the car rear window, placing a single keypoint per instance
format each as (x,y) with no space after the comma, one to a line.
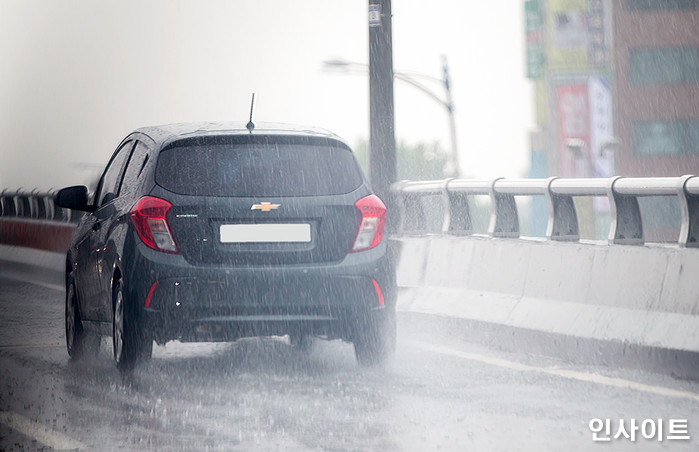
(253,166)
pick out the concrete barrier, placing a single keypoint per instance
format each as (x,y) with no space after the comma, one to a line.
(645,296)
(37,234)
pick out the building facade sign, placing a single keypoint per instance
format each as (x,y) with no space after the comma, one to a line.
(573,125)
(534,39)
(576,35)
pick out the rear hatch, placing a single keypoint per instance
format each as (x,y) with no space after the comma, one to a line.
(261,199)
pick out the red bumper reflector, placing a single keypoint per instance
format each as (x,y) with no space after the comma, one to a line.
(378,292)
(150,294)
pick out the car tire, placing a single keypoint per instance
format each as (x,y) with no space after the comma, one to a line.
(79,343)
(375,340)
(130,343)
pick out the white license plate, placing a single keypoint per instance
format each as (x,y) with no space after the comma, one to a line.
(266,233)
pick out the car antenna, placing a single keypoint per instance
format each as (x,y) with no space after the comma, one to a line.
(250,125)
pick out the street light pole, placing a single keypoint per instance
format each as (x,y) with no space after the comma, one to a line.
(411,78)
(455,170)
(382,141)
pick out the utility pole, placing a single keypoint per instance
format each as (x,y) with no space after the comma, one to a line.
(455,170)
(382,140)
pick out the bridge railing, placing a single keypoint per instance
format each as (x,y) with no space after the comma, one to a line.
(33,204)
(626,225)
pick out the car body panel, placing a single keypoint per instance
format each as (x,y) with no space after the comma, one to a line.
(211,290)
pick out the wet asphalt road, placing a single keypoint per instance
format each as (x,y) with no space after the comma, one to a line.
(439,393)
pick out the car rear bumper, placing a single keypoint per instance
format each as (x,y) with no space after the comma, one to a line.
(196,303)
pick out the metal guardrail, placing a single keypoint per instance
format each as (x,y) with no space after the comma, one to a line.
(34,205)
(623,193)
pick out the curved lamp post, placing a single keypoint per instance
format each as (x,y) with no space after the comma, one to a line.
(411,78)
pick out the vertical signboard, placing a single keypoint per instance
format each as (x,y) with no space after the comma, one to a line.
(585,114)
(573,126)
(534,39)
(597,48)
(601,127)
(539,169)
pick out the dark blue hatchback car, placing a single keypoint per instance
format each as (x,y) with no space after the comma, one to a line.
(213,232)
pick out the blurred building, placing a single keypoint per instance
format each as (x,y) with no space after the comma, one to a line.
(617,88)
(656,47)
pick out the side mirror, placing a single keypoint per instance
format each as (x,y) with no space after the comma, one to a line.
(73,198)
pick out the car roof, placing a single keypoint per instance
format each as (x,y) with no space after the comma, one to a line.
(167,133)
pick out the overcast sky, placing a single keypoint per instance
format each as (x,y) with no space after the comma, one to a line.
(76,76)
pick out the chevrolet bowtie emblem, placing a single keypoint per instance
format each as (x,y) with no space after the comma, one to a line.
(265,206)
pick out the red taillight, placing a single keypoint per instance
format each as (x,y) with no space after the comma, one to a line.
(372,225)
(149,218)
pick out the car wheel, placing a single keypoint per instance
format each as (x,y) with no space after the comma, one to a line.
(375,340)
(79,342)
(130,344)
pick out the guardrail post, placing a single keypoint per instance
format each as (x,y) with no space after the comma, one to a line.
(504,221)
(563,218)
(412,215)
(397,199)
(444,189)
(50,207)
(23,208)
(39,208)
(460,222)
(626,226)
(34,206)
(414,220)
(9,206)
(61,214)
(689,205)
